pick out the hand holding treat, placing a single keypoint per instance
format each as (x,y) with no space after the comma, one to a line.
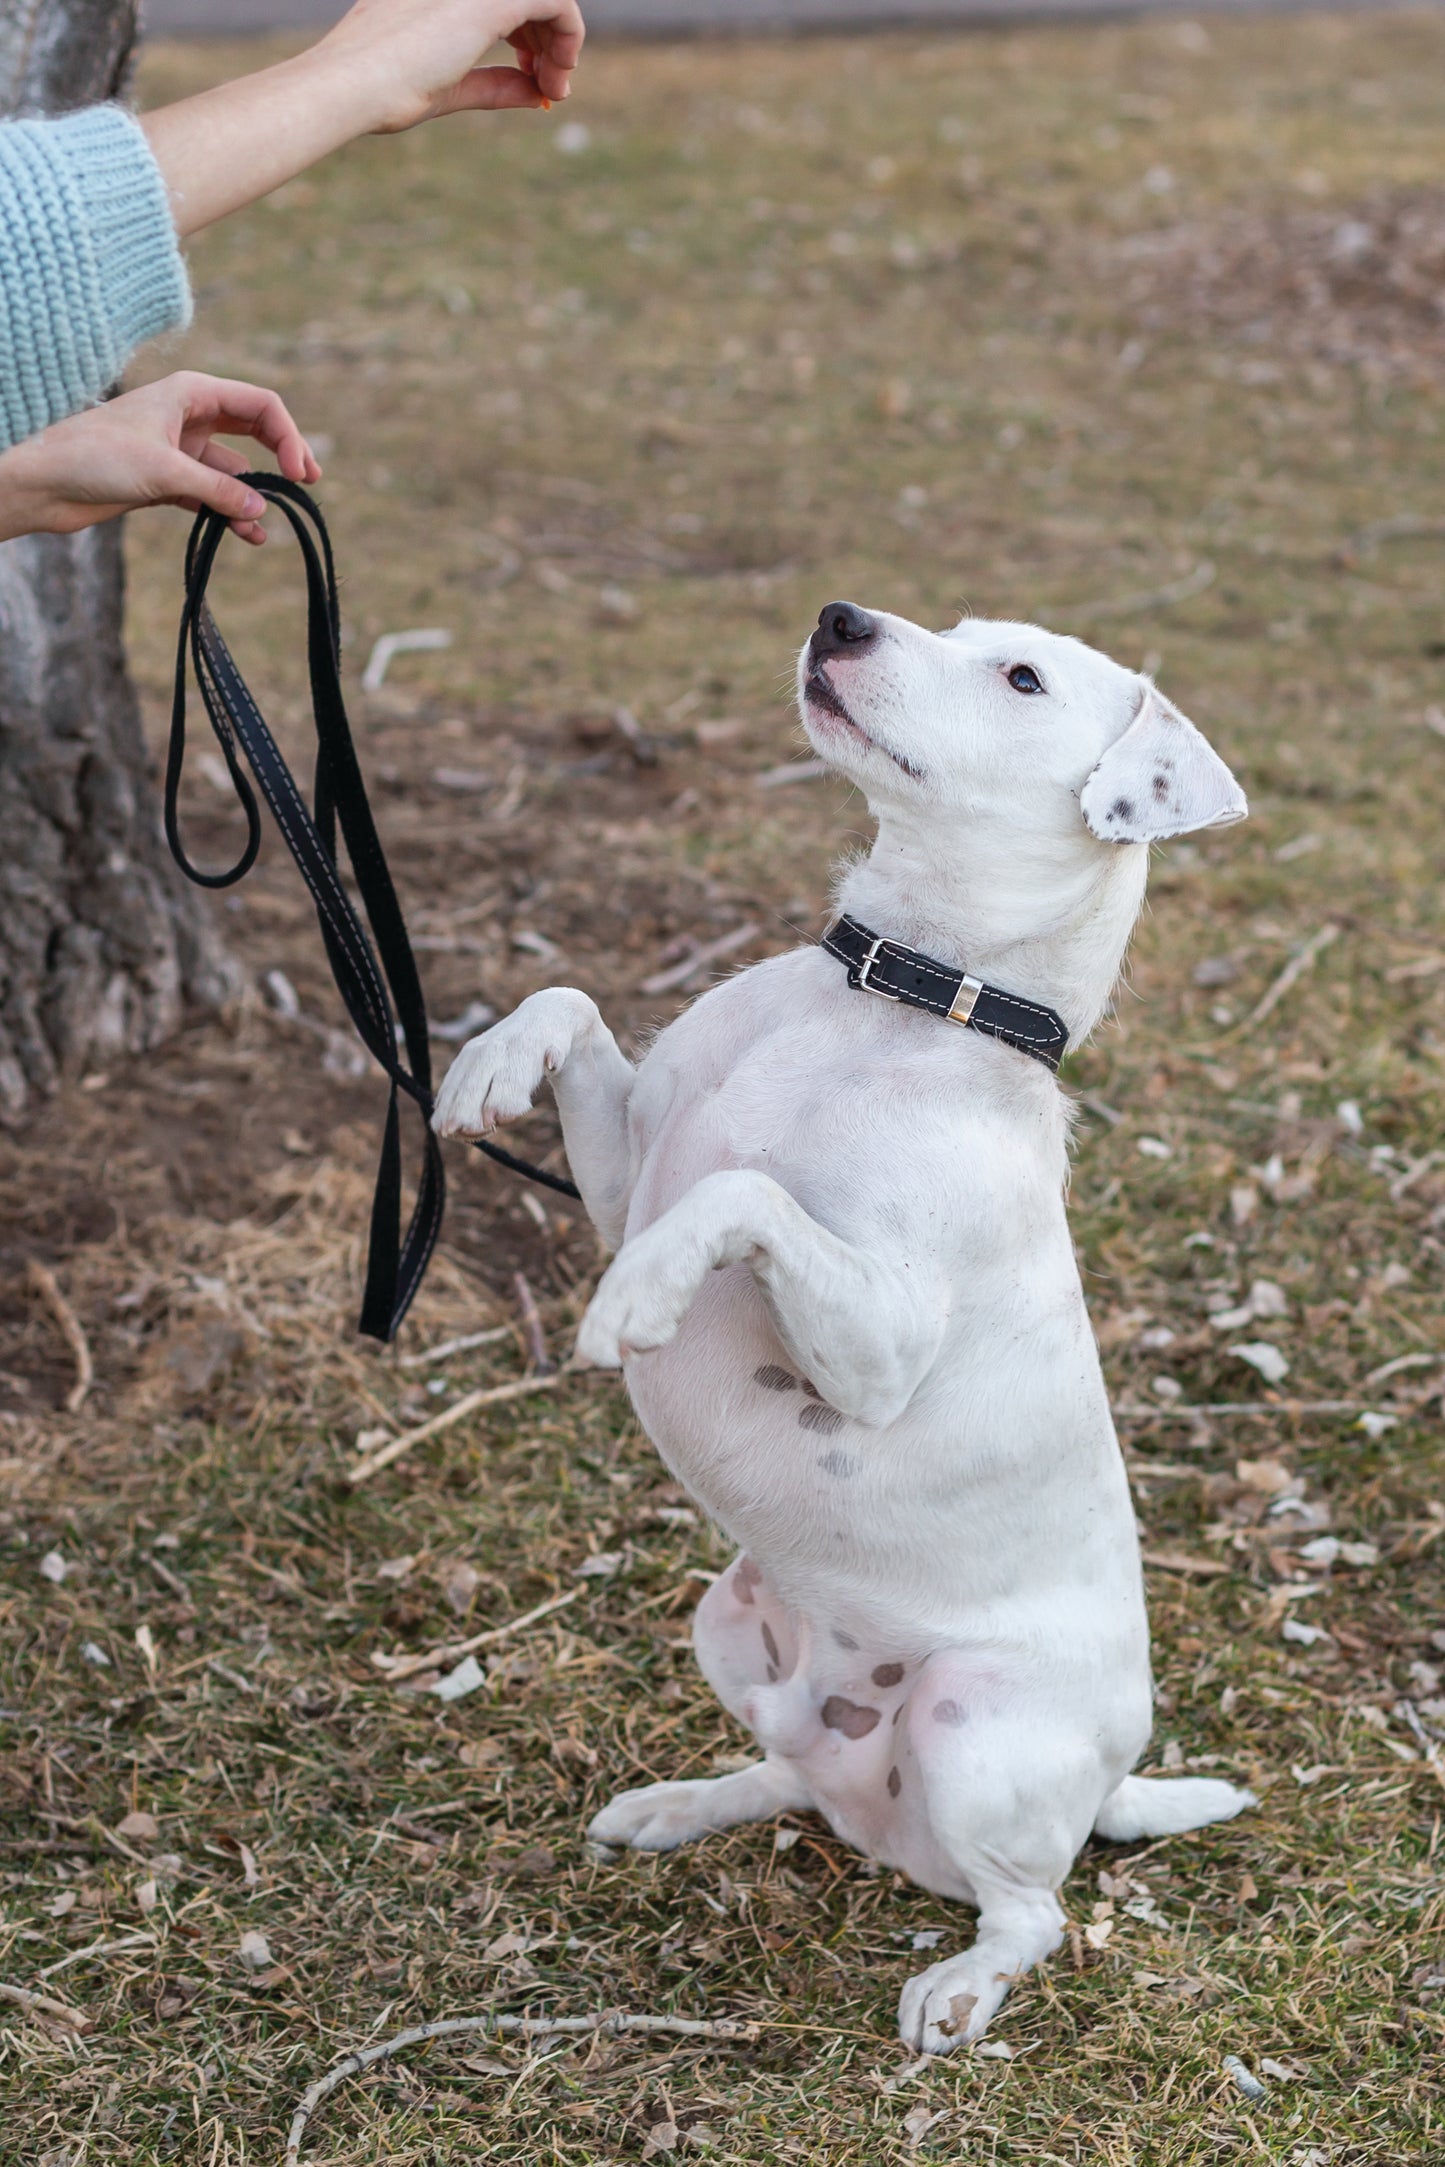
(387,65)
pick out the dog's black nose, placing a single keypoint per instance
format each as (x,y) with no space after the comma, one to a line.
(842,626)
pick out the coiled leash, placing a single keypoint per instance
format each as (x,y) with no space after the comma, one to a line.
(378,983)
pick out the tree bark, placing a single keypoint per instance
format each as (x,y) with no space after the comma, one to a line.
(102,943)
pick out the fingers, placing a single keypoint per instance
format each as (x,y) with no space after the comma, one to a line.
(221,405)
(553,42)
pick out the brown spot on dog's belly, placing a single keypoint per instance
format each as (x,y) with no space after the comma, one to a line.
(837,1464)
(772,1378)
(846,1716)
(811,1389)
(949,1712)
(770,1643)
(887,1674)
(745,1578)
(825,1419)
(895,1783)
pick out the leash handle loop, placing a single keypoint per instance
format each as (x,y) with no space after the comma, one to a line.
(375,972)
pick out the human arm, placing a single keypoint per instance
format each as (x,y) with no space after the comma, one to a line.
(157,445)
(386,66)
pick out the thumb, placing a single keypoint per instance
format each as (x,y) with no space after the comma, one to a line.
(187,477)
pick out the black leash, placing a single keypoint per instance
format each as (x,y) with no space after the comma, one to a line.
(379,984)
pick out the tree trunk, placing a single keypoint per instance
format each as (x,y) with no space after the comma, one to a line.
(102,943)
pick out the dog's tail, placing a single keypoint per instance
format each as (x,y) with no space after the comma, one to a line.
(1149,1806)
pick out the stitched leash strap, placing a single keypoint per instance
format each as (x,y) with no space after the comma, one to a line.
(903,974)
(375,974)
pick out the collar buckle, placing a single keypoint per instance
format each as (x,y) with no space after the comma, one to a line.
(864,979)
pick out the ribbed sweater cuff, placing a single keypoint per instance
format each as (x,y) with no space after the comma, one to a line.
(89,262)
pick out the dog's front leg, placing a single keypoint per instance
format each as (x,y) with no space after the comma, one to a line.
(558,1035)
(863,1329)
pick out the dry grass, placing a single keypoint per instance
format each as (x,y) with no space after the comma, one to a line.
(1045,321)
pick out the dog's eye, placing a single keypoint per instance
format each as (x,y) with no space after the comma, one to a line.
(1024,679)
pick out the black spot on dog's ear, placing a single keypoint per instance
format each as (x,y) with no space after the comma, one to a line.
(745,1578)
(1161,788)
(1122,809)
(817,1417)
(895,1783)
(887,1674)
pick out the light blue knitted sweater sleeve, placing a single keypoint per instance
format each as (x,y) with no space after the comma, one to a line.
(89,262)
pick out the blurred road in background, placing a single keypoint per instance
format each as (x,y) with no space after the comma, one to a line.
(681,18)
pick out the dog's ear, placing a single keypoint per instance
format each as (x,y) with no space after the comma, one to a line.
(1161,778)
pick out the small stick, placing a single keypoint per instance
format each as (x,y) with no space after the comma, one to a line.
(542,1363)
(42,2005)
(407,1666)
(524,2027)
(710,952)
(1193,582)
(1194,1410)
(491,1396)
(44,1281)
(102,1948)
(463,1345)
(1293,971)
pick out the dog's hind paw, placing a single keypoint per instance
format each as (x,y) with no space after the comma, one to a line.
(948,2006)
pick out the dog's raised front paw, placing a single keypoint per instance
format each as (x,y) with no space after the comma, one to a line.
(496,1077)
(948,2006)
(658,1817)
(639,1305)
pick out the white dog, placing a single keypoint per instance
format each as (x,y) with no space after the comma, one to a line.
(846,1300)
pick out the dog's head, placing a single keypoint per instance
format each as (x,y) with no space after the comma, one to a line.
(1006,724)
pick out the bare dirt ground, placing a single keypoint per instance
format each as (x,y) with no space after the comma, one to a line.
(1135,330)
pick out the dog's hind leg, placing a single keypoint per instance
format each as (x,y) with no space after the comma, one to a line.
(558,1036)
(660,1816)
(995,1804)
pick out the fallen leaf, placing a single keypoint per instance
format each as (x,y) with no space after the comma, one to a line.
(509,1944)
(1264,1356)
(1268,1477)
(138,1827)
(459,1583)
(920,2120)
(533,1864)
(662,2137)
(467,1676)
(395,1568)
(147,1895)
(1097,1932)
(255,1950)
(481,1752)
(53,1567)
(601,1566)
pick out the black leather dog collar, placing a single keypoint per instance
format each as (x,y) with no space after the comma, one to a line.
(902,974)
